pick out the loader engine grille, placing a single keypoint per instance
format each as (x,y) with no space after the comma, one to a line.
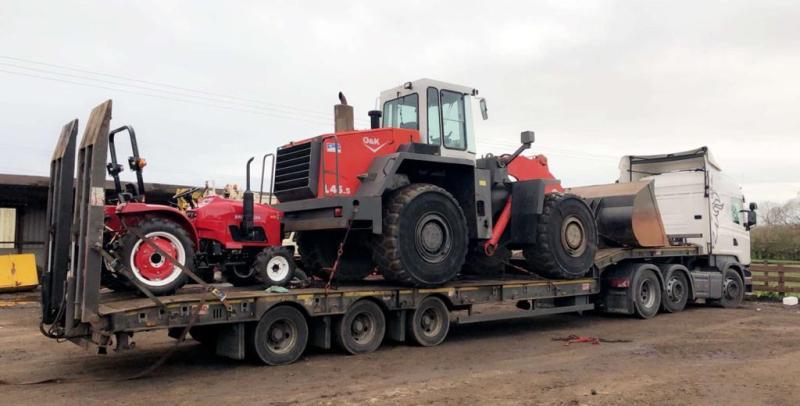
(296,171)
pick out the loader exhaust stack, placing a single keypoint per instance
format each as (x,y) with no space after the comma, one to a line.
(343,116)
(627,213)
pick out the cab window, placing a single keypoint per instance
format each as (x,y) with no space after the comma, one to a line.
(402,112)
(736,208)
(434,124)
(454,122)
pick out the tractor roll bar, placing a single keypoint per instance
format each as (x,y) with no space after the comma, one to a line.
(134,162)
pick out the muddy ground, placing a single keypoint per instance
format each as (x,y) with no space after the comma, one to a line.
(703,355)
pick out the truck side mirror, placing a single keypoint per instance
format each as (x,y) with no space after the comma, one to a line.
(752,219)
(484,111)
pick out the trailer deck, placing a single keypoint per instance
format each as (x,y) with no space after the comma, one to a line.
(129,313)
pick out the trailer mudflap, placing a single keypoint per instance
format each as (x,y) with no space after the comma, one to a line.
(230,341)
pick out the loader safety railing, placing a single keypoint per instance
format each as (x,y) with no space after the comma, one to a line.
(777,278)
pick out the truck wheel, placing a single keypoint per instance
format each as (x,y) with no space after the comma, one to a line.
(480,264)
(318,250)
(152,270)
(274,266)
(646,294)
(676,292)
(361,329)
(732,290)
(424,241)
(430,322)
(280,337)
(566,240)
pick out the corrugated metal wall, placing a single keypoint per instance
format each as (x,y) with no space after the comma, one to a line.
(33,228)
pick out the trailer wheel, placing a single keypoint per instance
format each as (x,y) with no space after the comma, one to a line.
(646,294)
(480,264)
(151,269)
(280,337)
(318,251)
(566,240)
(676,292)
(425,238)
(361,329)
(732,290)
(430,322)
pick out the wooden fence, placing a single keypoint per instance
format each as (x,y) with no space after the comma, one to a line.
(778,278)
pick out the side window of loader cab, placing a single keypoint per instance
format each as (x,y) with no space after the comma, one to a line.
(402,112)
(454,121)
(434,123)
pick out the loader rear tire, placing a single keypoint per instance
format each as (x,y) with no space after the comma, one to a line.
(424,241)
(566,240)
(318,250)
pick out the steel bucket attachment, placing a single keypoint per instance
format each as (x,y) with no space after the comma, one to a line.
(627,213)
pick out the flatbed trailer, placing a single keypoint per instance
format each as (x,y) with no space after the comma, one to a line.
(228,327)
(276,327)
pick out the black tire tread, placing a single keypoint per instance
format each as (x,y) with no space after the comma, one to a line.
(540,256)
(386,253)
(149,224)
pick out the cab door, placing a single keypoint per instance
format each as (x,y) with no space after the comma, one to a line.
(448,122)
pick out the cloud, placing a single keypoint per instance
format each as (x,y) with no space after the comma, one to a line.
(595,80)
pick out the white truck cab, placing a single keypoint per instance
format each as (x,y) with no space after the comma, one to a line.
(698,203)
(440,111)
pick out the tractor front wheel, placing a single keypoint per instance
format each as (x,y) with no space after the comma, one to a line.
(151,269)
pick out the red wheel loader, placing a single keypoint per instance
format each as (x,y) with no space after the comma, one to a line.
(416,202)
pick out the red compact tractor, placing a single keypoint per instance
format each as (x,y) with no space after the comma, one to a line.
(140,240)
(410,198)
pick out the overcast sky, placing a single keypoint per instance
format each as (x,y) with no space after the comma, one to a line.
(208,84)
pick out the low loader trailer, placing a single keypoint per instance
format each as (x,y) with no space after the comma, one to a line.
(276,327)
(403,230)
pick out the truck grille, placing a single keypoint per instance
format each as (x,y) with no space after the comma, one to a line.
(296,171)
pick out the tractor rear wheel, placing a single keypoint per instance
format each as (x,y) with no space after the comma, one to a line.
(424,240)
(566,240)
(318,251)
(151,269)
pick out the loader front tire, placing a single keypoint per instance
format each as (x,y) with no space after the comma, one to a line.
(425,239)
(566,240)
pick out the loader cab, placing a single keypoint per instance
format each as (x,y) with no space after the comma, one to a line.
(440,111)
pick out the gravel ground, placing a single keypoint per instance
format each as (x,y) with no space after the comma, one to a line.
(703,355)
